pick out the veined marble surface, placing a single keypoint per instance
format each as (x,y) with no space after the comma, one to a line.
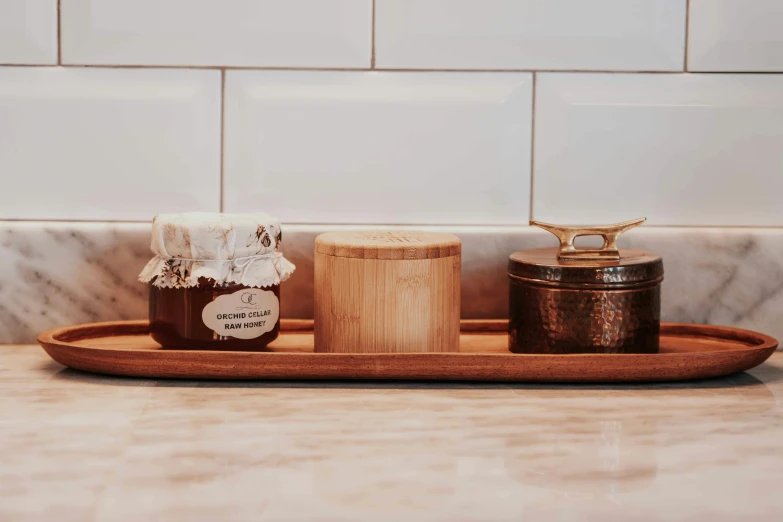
(79,447)
(59,273)
(55,274)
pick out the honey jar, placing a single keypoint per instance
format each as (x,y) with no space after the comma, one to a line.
(585,300)
(215,280)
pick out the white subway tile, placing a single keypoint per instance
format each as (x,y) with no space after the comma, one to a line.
(531,34)
(28,32)
(268,33)
(683,149)
(87,143)
(735,35)
(379,147)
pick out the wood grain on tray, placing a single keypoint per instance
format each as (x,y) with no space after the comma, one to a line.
(687,352)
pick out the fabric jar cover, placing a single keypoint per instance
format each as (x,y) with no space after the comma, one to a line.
(227,248)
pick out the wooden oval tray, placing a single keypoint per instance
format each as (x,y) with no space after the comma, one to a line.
(688,351)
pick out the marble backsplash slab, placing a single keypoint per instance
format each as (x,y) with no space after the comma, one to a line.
(59,273)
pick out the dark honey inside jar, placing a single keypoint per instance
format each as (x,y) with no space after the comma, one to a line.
(215,281)
(176,317)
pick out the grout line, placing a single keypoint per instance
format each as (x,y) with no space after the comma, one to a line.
(524,226)
(586,71)
(471,226)
(222,132)
(59,34)
(77,221)
(533,141)
(744,73)
(365,69)
(188,67)
(687,33)
(372,55)
(215,67)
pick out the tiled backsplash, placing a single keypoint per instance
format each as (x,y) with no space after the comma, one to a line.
(379,147)
(236,33)
(28,32)
(681,149)
(736,35)
(469,116)
(605,35)
(89,143)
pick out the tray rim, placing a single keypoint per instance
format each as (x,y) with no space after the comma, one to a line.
(472,326)
(753,349)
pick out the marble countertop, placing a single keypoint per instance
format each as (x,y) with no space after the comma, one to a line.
(80,447)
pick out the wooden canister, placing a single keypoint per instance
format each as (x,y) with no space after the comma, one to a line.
(387,292)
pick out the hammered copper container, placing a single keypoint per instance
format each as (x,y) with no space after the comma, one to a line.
(567,300)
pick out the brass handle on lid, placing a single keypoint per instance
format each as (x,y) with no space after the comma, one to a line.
(566,235)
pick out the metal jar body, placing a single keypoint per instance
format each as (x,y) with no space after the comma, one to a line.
(555,318)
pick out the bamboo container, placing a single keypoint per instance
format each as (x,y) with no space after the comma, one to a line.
(387,292)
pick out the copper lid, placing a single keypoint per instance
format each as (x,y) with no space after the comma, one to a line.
(605,266)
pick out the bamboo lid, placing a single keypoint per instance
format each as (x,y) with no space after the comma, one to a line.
(388,244)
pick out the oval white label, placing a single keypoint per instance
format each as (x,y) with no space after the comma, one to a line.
(245,314)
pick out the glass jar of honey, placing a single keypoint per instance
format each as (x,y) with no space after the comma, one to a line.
(215,280)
